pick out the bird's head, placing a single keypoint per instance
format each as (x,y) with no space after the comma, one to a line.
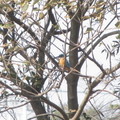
(60,56)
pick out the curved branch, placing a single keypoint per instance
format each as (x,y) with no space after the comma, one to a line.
(93,60)
(10,88)
(55,106)
(102,75)
(23,25)
(92,86)
(47,114)
(26,94)
(51,16)
(95,44)
(81,107)
(9,108)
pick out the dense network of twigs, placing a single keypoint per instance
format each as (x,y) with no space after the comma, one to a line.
(34,32)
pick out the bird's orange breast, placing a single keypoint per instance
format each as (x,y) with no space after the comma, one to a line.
(61,63)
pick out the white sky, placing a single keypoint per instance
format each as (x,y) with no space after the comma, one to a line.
(91,70)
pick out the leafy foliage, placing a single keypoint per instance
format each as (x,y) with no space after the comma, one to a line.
(34,32)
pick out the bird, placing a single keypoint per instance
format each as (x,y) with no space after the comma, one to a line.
(63,63)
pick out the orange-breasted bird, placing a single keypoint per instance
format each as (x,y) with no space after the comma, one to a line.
(63,63)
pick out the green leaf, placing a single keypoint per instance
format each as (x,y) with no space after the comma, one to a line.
(1,25)
(16,48)
(41,15)
(36,9)
(9,50)
(35,1)
(56,27)
(28,78)
(3,5)
(25,6)
(8,25)
(26,62)
(88,30)
(118,36)
(24,15)
(117,24)
(115,106)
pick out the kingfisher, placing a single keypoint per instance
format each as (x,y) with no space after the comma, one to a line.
(63,63)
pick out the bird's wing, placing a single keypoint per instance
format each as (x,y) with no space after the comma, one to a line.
(67,64)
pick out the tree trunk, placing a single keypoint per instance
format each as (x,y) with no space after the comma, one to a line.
(72,97)
(72,79)
(39,109)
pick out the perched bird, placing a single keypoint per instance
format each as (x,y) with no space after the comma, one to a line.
(63,63)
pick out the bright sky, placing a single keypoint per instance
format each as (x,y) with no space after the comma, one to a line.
(91,70)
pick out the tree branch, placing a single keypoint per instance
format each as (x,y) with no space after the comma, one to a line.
(62,31)
(81,107)
(93,60)
(95,44)
(91,87)
(102,75)
(56,107)
(23,25)
(51,17)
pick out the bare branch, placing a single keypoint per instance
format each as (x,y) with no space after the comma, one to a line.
(102,75)
(90,90)
(96,43)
